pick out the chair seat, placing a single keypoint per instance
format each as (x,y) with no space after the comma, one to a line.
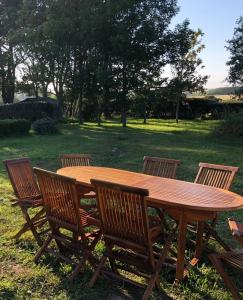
(236,228)
(235,259)
(31,202)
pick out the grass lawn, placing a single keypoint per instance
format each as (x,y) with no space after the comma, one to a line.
(110,145)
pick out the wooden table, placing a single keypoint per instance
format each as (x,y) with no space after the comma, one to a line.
(189,201)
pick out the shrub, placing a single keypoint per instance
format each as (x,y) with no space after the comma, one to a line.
(16,127)
(45,126)
(232,125)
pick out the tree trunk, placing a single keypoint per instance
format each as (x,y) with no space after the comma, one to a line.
(44,90)
(123,118)
(177,109)
(124,97)
(8,79)
(80,109)
(144,114)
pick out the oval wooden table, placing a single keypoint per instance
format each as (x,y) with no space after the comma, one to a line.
(189,201)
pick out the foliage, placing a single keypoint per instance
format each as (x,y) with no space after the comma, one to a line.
(235,47)
(16,127)
(231,125)
(44,126)
(190,141)
(93,54)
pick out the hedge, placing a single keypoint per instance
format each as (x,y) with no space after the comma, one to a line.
(14,127)
(30,111)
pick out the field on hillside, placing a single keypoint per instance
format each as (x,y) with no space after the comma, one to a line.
(113,146)
(227,98)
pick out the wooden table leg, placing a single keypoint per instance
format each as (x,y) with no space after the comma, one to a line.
(198,250)
(181,248)
(199,240)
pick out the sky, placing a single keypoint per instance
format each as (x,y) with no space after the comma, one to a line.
(216,18)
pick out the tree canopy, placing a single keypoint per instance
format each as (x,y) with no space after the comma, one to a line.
(94,55)
(235,62)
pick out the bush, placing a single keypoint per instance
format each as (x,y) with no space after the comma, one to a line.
(44,126)
(17,127)
(232,125)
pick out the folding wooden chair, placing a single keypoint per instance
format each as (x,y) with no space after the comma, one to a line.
(232,258)
(236,229)
(162,167)
(127,227)
(27,196)
(75,160)
(218,176)
(63,212)
(72,160)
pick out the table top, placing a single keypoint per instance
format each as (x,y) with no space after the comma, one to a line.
(162,191)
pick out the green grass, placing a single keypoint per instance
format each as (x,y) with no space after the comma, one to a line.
(110,145)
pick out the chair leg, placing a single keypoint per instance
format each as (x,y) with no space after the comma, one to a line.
(216,261)
(43,248)
(31,226)
(214,234)
(79,266)
(154,280)
(97,271)
(24,229)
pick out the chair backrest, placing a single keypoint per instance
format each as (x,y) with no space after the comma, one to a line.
(219,176)
(60,199)
(162,167)
(22,178)
(72,160)
(123,214)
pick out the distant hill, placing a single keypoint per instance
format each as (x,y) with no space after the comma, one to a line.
(223,91)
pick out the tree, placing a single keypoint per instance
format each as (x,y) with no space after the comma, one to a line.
(185,46)
(138,43)
(8,44)
(235,62)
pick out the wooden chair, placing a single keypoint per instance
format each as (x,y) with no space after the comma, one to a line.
(78,160)
(218,176)
(71,160)
(27,196)
(236,229)
(232,258)
(63,212)
(162,167)
(125,225)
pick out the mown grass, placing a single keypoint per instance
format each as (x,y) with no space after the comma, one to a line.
(110,145)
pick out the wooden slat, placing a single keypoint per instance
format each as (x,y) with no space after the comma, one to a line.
(219,176)
(70,160)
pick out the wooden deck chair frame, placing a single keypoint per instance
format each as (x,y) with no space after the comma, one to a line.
(63,212)
(125,224)
(28,197)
